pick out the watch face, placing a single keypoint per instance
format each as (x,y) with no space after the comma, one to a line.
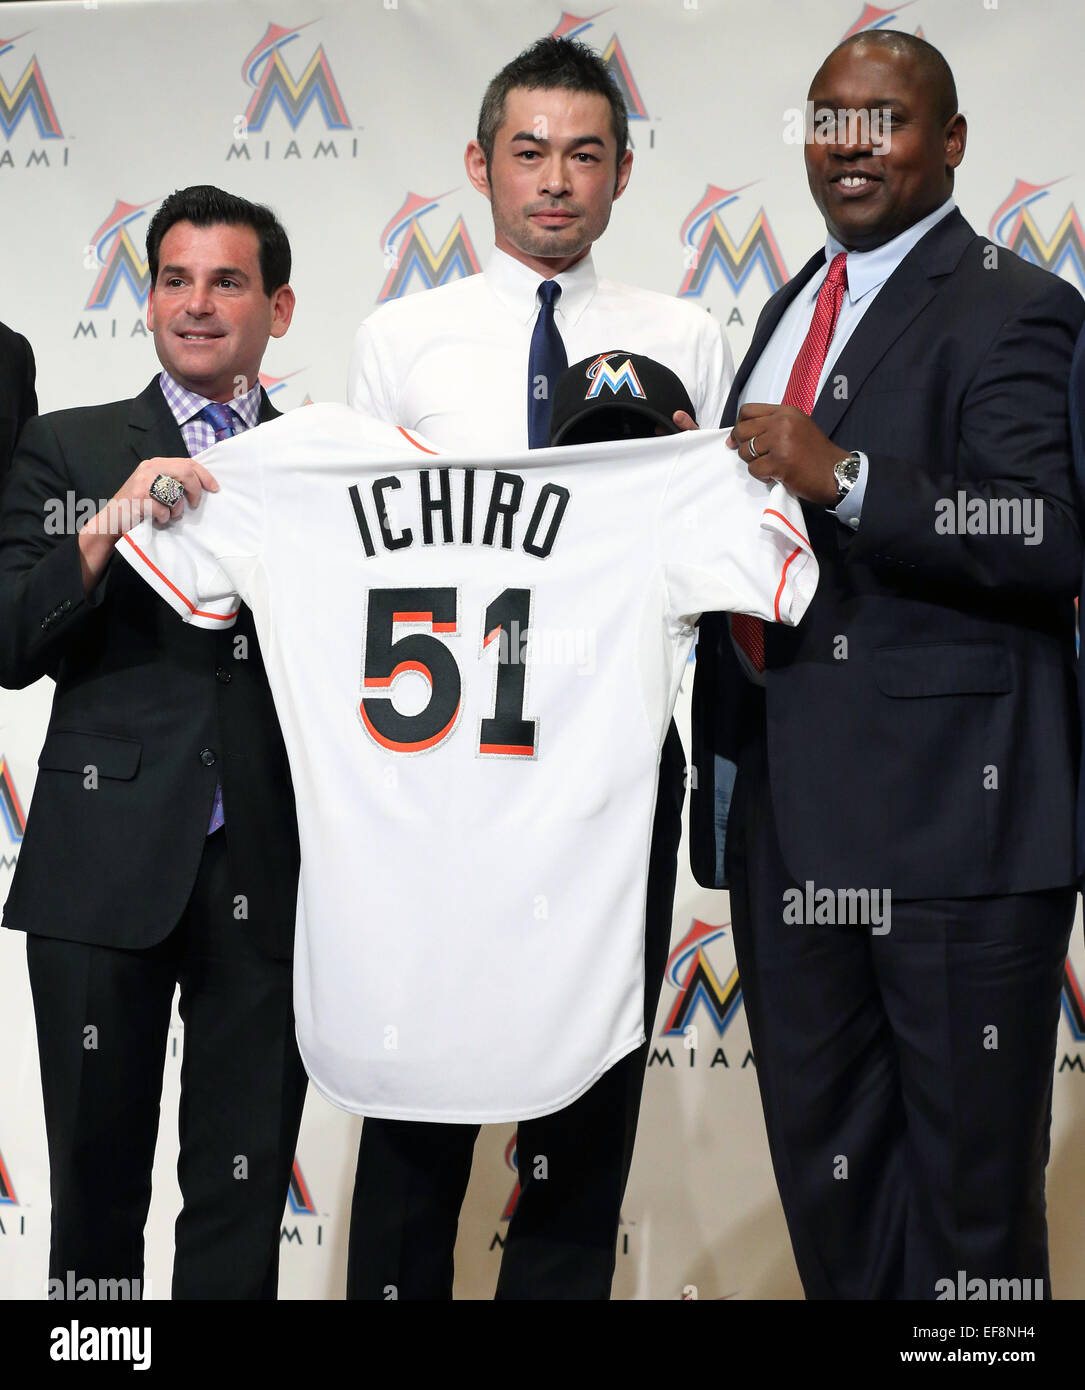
(847,471)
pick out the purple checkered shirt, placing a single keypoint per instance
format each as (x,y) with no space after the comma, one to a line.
(199,435)
(185,405)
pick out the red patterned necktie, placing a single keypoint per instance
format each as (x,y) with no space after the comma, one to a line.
(802,388)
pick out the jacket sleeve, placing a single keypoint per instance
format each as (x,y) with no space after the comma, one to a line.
(1013,469)
(42,602)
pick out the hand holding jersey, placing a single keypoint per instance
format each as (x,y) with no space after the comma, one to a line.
(520,591)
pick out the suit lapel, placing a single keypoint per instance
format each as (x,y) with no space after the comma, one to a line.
(152,430)
(267,410)
(901,299)
(767,324)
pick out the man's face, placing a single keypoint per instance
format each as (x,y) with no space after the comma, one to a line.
(553,176)
(872,184)
(208,311)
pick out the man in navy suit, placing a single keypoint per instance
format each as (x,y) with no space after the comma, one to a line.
(900,843)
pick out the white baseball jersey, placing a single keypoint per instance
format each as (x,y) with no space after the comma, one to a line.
(474,666)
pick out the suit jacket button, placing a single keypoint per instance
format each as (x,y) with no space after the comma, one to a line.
(207,757)
(223,676)
(66,604)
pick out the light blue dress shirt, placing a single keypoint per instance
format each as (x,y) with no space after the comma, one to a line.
(867,273)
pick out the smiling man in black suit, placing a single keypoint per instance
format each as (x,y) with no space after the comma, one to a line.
(161,845)
(915,737)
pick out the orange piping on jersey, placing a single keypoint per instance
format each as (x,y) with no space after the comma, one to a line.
(771,511)
(384,681)
(196,612)
(415,442)
(423,618)
(783,579)
(511,750)
(408,747)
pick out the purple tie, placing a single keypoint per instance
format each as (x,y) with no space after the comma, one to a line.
(221,419)
(225,424)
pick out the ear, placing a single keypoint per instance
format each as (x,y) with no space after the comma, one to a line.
(150,308)
(474,161)
(282,310)
(956,137)
(625,168)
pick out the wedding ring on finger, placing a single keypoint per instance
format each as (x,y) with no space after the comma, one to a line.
(166,490)
(753,452)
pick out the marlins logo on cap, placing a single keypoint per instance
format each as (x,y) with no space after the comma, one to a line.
(627,396)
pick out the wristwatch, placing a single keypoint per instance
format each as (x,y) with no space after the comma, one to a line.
(847,475)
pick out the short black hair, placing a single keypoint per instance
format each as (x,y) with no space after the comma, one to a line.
(548,65)
(932,66)
(206,206)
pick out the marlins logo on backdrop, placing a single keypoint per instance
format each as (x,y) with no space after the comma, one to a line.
(692,974)
(265,70)
(407,250)
(601,374)
(1013,225)
(7,1190)
(299,1196)
(874,18)
(115,252)
(12,811)
(512,1162)
(708,245)
(571,26)
(1073,1003)
(29,94)
(273,385)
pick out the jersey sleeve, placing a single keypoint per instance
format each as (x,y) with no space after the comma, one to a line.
(199,563)
(728,542)
(716,371)
(367,389)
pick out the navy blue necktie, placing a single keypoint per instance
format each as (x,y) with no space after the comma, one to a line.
(545,363)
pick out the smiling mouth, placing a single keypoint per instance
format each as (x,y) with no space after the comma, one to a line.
(855,181)
(200,337)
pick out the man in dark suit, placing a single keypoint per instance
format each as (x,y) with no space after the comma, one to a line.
(17,399)
(161,845)
(900,848)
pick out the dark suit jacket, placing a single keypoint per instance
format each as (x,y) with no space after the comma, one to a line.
(1077,431)
(153,708)
(17,399)
(938,757)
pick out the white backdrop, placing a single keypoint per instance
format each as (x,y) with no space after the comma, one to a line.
(351,120)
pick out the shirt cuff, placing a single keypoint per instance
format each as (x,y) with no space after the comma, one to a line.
(850,510)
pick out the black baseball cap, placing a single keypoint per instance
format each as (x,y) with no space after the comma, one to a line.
(615,395)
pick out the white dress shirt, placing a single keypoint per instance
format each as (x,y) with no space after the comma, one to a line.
(867,273)
(451,362)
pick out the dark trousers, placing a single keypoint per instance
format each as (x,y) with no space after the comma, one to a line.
(102,1021)
(561,1240)
(905,1075)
